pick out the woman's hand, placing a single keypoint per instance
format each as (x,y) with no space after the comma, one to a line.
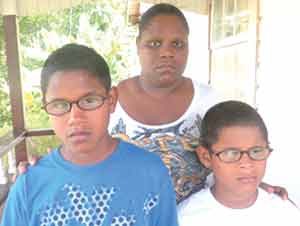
(23,165)
(280,191)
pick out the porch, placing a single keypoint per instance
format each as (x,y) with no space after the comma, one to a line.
(259,69)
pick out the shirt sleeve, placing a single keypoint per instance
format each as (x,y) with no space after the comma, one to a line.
(167,210)
(14,212)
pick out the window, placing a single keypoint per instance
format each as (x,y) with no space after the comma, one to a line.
(233,48)
(231,20)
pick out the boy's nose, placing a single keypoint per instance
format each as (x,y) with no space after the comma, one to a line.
(75,113)
(246,161)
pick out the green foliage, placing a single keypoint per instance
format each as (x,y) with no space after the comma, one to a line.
(36,116)
(41,145)
(5,113)
(100,24)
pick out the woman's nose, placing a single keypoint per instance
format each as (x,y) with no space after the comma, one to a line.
(167,51)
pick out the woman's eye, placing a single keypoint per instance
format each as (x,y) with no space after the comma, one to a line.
(154,44)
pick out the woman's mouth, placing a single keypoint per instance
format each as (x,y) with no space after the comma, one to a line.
(165,67)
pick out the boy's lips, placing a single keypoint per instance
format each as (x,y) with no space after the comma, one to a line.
(247,179)
(79,136)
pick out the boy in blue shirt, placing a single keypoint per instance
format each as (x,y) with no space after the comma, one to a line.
(91,179)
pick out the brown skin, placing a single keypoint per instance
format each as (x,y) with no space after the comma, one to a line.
(84,134)
(160,89)
(235,183)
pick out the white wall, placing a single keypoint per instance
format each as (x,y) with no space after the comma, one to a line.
(279,92)
(198,61)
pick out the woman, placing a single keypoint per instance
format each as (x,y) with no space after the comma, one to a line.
(161,110)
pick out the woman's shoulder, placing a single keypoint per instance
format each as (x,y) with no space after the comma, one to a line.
(203,89)
(127,92)
(204,97)
(126,84)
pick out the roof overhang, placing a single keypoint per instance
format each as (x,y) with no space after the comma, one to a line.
(33,7)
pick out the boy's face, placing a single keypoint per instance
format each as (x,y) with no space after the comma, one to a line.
(240,178)
(81,131)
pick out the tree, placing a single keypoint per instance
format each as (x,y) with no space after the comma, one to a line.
(100,24)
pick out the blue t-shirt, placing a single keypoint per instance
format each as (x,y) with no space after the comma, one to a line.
(129,188)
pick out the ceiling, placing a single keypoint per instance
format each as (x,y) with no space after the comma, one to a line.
(31,7)
(198,6)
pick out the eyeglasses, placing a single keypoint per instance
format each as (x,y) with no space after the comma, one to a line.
(233,155)
(60,107)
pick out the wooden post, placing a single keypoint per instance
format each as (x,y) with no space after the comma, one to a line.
(210,53)
(133,11)
(14,82)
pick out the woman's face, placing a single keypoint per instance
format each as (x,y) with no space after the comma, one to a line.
(163,50)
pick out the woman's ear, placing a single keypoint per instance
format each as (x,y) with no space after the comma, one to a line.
(113,98)
(204,156)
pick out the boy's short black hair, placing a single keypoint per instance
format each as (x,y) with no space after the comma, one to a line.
(158,10)
(75,57)
(227,114)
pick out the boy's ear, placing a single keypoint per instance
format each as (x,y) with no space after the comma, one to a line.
(113,98)
(204,156)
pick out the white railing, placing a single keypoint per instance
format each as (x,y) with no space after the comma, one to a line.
(8,157)
(8,164)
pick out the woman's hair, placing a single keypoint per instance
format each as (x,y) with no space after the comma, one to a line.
(158,10)
(75,57)
(227,114)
